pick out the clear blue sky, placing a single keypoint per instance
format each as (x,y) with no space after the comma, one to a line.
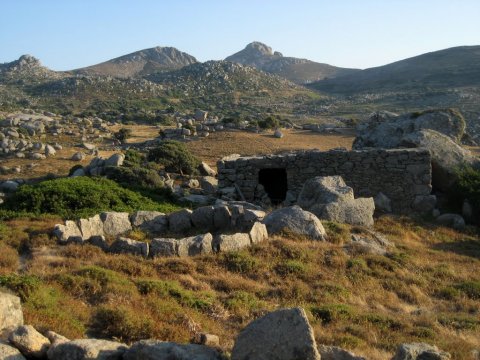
(67,34)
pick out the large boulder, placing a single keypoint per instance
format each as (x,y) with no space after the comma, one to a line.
(68,232)
(88,349)
(155,350)
(295,220)
(388,132)
(115,223)
(258,233)
(206,170)
(451,220)
(190,246)
(357,212)
(29,341)
(420,351)
(11,315)
(202,218)
(281,335)
(447,156)
(115,160)
(329,198)
(8,352)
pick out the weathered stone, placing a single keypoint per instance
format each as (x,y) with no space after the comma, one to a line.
(209,184)
(295,220)
(202,218)
(91,227)
(115,223)
(200,115)
(155,350)
(371,243)
(424,203)
(8,352)
(356,212)
(451,220)
(153,222)
(420,351)
(88,349)
(336,353)
(78,156)
(258,233)
(234,242)
(278,134)
(195,245)
(282,335)
(180,222)
(9,186)
(322,190)
(11,314)
(222,217)
(129,246)
(115,160)
(382,203)
(207,339)
(29,341)
(68,232)
(206,170)
(50,150)
(163,247)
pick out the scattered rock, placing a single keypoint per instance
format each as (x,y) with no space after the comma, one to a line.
(451,220)
(420,351)
(336,353)
(207,340)
(282,335)
(88,349)
(206,170)
(115,223)
(295,220)
(115,160)
(258,233)
(155,350)
(8,352)
(128,246)
(234,242)
(11,314)
(278,134)
(78,156)
(29,341)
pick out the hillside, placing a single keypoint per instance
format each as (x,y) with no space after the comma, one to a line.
(141,63)
(300,71)
(453,67)
(26,68)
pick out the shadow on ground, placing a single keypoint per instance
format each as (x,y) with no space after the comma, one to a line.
(463,247)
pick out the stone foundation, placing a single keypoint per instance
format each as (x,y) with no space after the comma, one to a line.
(403,175)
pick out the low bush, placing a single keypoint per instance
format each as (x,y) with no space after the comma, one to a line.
(22,285)
(175,157)
(240,262)
(78,197)
(332,312)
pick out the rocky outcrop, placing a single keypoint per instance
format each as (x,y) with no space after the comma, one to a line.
(336,353)
(296,221)
(11,315)
(329,198)
(8,352)
(282,335)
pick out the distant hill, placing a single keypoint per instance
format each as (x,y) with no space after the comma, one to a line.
(141,63)
(220,76)
(26,68)
(453,67)
(300,71)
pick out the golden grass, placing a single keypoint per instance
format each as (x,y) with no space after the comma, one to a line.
(423,291)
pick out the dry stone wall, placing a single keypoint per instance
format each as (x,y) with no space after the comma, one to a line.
(401,174)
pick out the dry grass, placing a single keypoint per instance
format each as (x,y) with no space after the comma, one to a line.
(427,290)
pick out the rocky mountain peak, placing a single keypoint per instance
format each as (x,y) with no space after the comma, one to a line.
(259,48)
(28,61)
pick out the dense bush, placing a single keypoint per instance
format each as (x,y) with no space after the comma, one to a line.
(269,123)
(466,187)
(175,157)
(79,196)
(135,175)
(123,134)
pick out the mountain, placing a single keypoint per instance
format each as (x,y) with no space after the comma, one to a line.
(453,67)
(26,68)
(300,71)
(141,63)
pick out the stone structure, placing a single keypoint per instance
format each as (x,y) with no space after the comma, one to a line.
(403,175)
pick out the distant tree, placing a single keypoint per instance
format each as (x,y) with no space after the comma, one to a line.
(123,134)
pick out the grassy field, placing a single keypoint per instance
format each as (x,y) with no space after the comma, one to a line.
(427,289)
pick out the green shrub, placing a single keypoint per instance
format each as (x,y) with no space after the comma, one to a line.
(470,288)
(22,285)
(175,157)
(135,176)
(242,303)
(291,267)
(133,157)
(332,312)
(77,197)
(467,186)
(240,262)
(120,323)
(123,134)
(269,123)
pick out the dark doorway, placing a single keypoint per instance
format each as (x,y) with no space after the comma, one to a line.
(275,183)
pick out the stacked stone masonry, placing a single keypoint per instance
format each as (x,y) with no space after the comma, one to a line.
(401,174)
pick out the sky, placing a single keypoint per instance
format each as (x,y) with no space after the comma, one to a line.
(69,34)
